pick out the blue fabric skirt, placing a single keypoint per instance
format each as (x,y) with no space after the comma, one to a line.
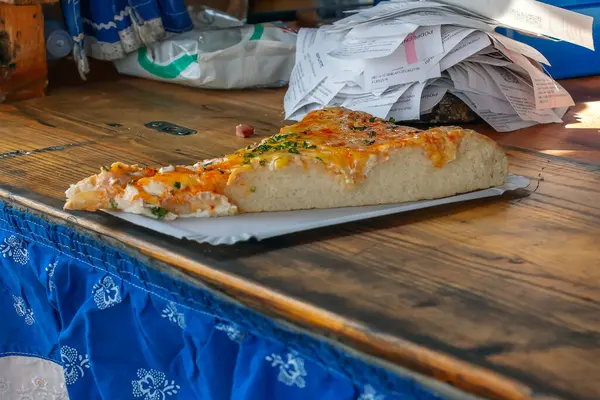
(110,29)
(123,330)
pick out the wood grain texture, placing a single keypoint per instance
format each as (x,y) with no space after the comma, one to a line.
(28,2)
(500,297)
(22,52)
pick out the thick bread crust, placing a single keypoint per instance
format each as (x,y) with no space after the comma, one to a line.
(408,175)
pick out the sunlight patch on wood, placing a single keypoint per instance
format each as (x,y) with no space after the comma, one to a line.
(588,118)
(557,152)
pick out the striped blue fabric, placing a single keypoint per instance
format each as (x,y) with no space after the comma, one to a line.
(110,29)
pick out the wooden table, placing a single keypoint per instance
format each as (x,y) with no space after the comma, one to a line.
(499,297)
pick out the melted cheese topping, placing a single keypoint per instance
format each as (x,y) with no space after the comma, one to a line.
(347,143)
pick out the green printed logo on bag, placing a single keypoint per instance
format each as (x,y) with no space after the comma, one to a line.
(174,68)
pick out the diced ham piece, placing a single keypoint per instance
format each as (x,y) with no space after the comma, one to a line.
(244,130)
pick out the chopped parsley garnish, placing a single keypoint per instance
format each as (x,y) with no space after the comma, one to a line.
(105,168)
(372,119)
(305,145)
(113,204)
(131,182)
(206,164)
(253,188)
(372,133)
(275,143)
(392,120)
(369,142)
(177,185)
(359,128)
(159,212)
(320,159)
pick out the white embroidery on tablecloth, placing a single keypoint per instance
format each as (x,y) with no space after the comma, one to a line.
(172,314)
(39,390)
(50,271)
(23,311)
(106,293)
(4,385)
(369,393)
(153,385)
(291,370)
(233,332)
(16,249)
(74,364)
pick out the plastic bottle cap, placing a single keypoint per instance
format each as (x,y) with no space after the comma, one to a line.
(58,44)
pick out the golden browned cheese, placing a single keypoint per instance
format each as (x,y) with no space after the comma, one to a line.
(343,140)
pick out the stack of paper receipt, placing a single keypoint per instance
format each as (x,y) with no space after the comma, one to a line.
(398,60)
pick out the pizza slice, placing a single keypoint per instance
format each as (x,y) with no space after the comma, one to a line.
(334,157)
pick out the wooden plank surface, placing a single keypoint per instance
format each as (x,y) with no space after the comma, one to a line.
(500,297)
(28,2)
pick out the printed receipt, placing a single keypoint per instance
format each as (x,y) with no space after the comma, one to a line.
(399,59)
(534,17)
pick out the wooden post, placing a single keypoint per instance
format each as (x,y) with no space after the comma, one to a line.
(23,69)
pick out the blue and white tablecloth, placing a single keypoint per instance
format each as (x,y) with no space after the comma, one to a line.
(82,320)
(110,29)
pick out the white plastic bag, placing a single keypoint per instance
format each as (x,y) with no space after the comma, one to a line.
(231,58)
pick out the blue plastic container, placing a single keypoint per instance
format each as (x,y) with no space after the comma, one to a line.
(58,41)
(568,60)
